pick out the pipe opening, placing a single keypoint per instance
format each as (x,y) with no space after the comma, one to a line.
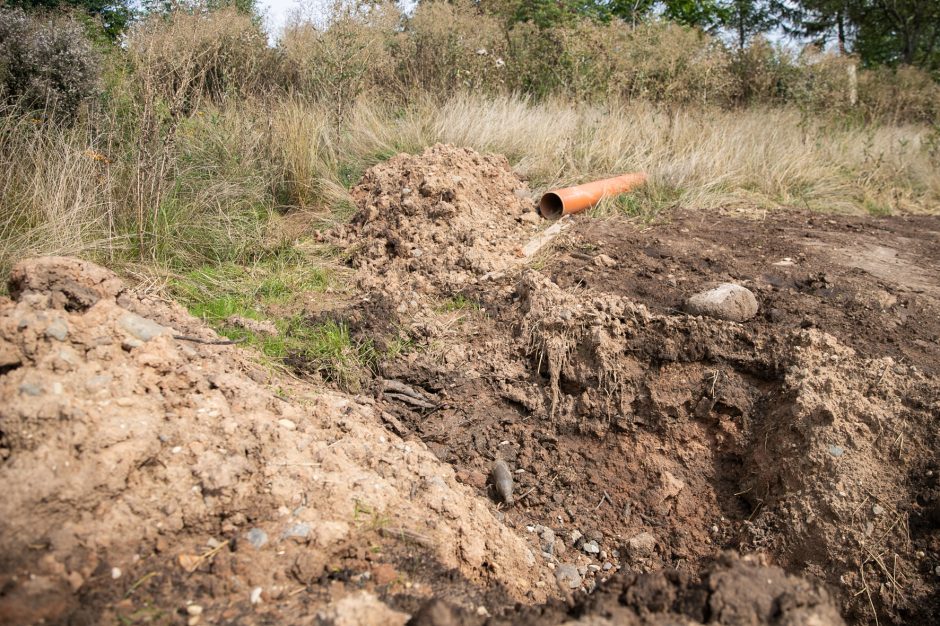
(551,206)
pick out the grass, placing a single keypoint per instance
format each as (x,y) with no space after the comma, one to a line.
(247,180)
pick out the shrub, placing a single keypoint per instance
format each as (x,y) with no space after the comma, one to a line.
(186,57)
(906,94)
(348,58)
(45,63)
(451,47)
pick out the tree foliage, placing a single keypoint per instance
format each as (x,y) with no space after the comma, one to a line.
(113,15)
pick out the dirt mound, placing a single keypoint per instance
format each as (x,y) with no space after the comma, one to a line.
(742,592)
(144,470)
(643,439)
(439,221)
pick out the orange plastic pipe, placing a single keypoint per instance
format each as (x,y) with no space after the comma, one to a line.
(575,199)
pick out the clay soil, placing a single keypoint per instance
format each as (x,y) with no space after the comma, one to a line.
(649,448)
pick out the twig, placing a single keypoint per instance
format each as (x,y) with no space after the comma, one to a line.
(868,593)
(400,387)
(887,573)
(412,401)
(525,494)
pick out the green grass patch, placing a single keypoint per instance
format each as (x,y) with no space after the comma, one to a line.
(459,303)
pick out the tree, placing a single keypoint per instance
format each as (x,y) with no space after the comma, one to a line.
(114,15)
(747,18)
(879,31)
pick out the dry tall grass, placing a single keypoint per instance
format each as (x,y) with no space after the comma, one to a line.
(245,175)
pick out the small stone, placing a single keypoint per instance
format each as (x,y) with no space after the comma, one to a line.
(256,537)
(194,609)
(287,424)
(58,329)
(140,327)
(115,572)
(591,547)
(30,389)
(259,327)
(575,537)
(836,451)
(608,566)
(642,545)
(877,509)
(567,576)
(255,596)
(296,531)
(594,568)
(602,260)
(727,301)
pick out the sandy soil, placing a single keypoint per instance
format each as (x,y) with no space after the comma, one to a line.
(143,470)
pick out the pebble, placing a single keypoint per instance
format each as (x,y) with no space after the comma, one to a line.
(591,547)
(300,530)
(30,389)
(194,609)
(877,509)
(256,537)
(115,572)
(836,451)
(575,537)
(727,301)
(255,596)
(567,576)
(608,567)
(58,329)
(641,545)
(140,327)
(287,424)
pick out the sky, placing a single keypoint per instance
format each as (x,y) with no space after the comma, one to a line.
(276,12)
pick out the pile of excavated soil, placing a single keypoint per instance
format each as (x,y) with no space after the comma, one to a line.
(144,472)
(439,221)
(642,438)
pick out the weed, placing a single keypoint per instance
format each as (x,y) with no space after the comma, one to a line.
(459,303)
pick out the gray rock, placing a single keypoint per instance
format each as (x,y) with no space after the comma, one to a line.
(575,537)
(58,329)
(567,576)
(31,389)
(608,566)
(591,547)
(641,546)
(141,327)
(257,537)
(727,301)
(300,530)
(836,451)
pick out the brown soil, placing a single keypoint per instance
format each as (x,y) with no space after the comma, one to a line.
(644,442)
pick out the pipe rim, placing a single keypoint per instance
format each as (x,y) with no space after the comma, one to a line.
(551,206)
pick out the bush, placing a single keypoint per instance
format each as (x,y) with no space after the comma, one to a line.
(348,58)
(451,47)
(187,57)
(906,94)
(45,63)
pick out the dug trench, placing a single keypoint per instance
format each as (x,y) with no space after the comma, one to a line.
(643,439)
(648,447)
